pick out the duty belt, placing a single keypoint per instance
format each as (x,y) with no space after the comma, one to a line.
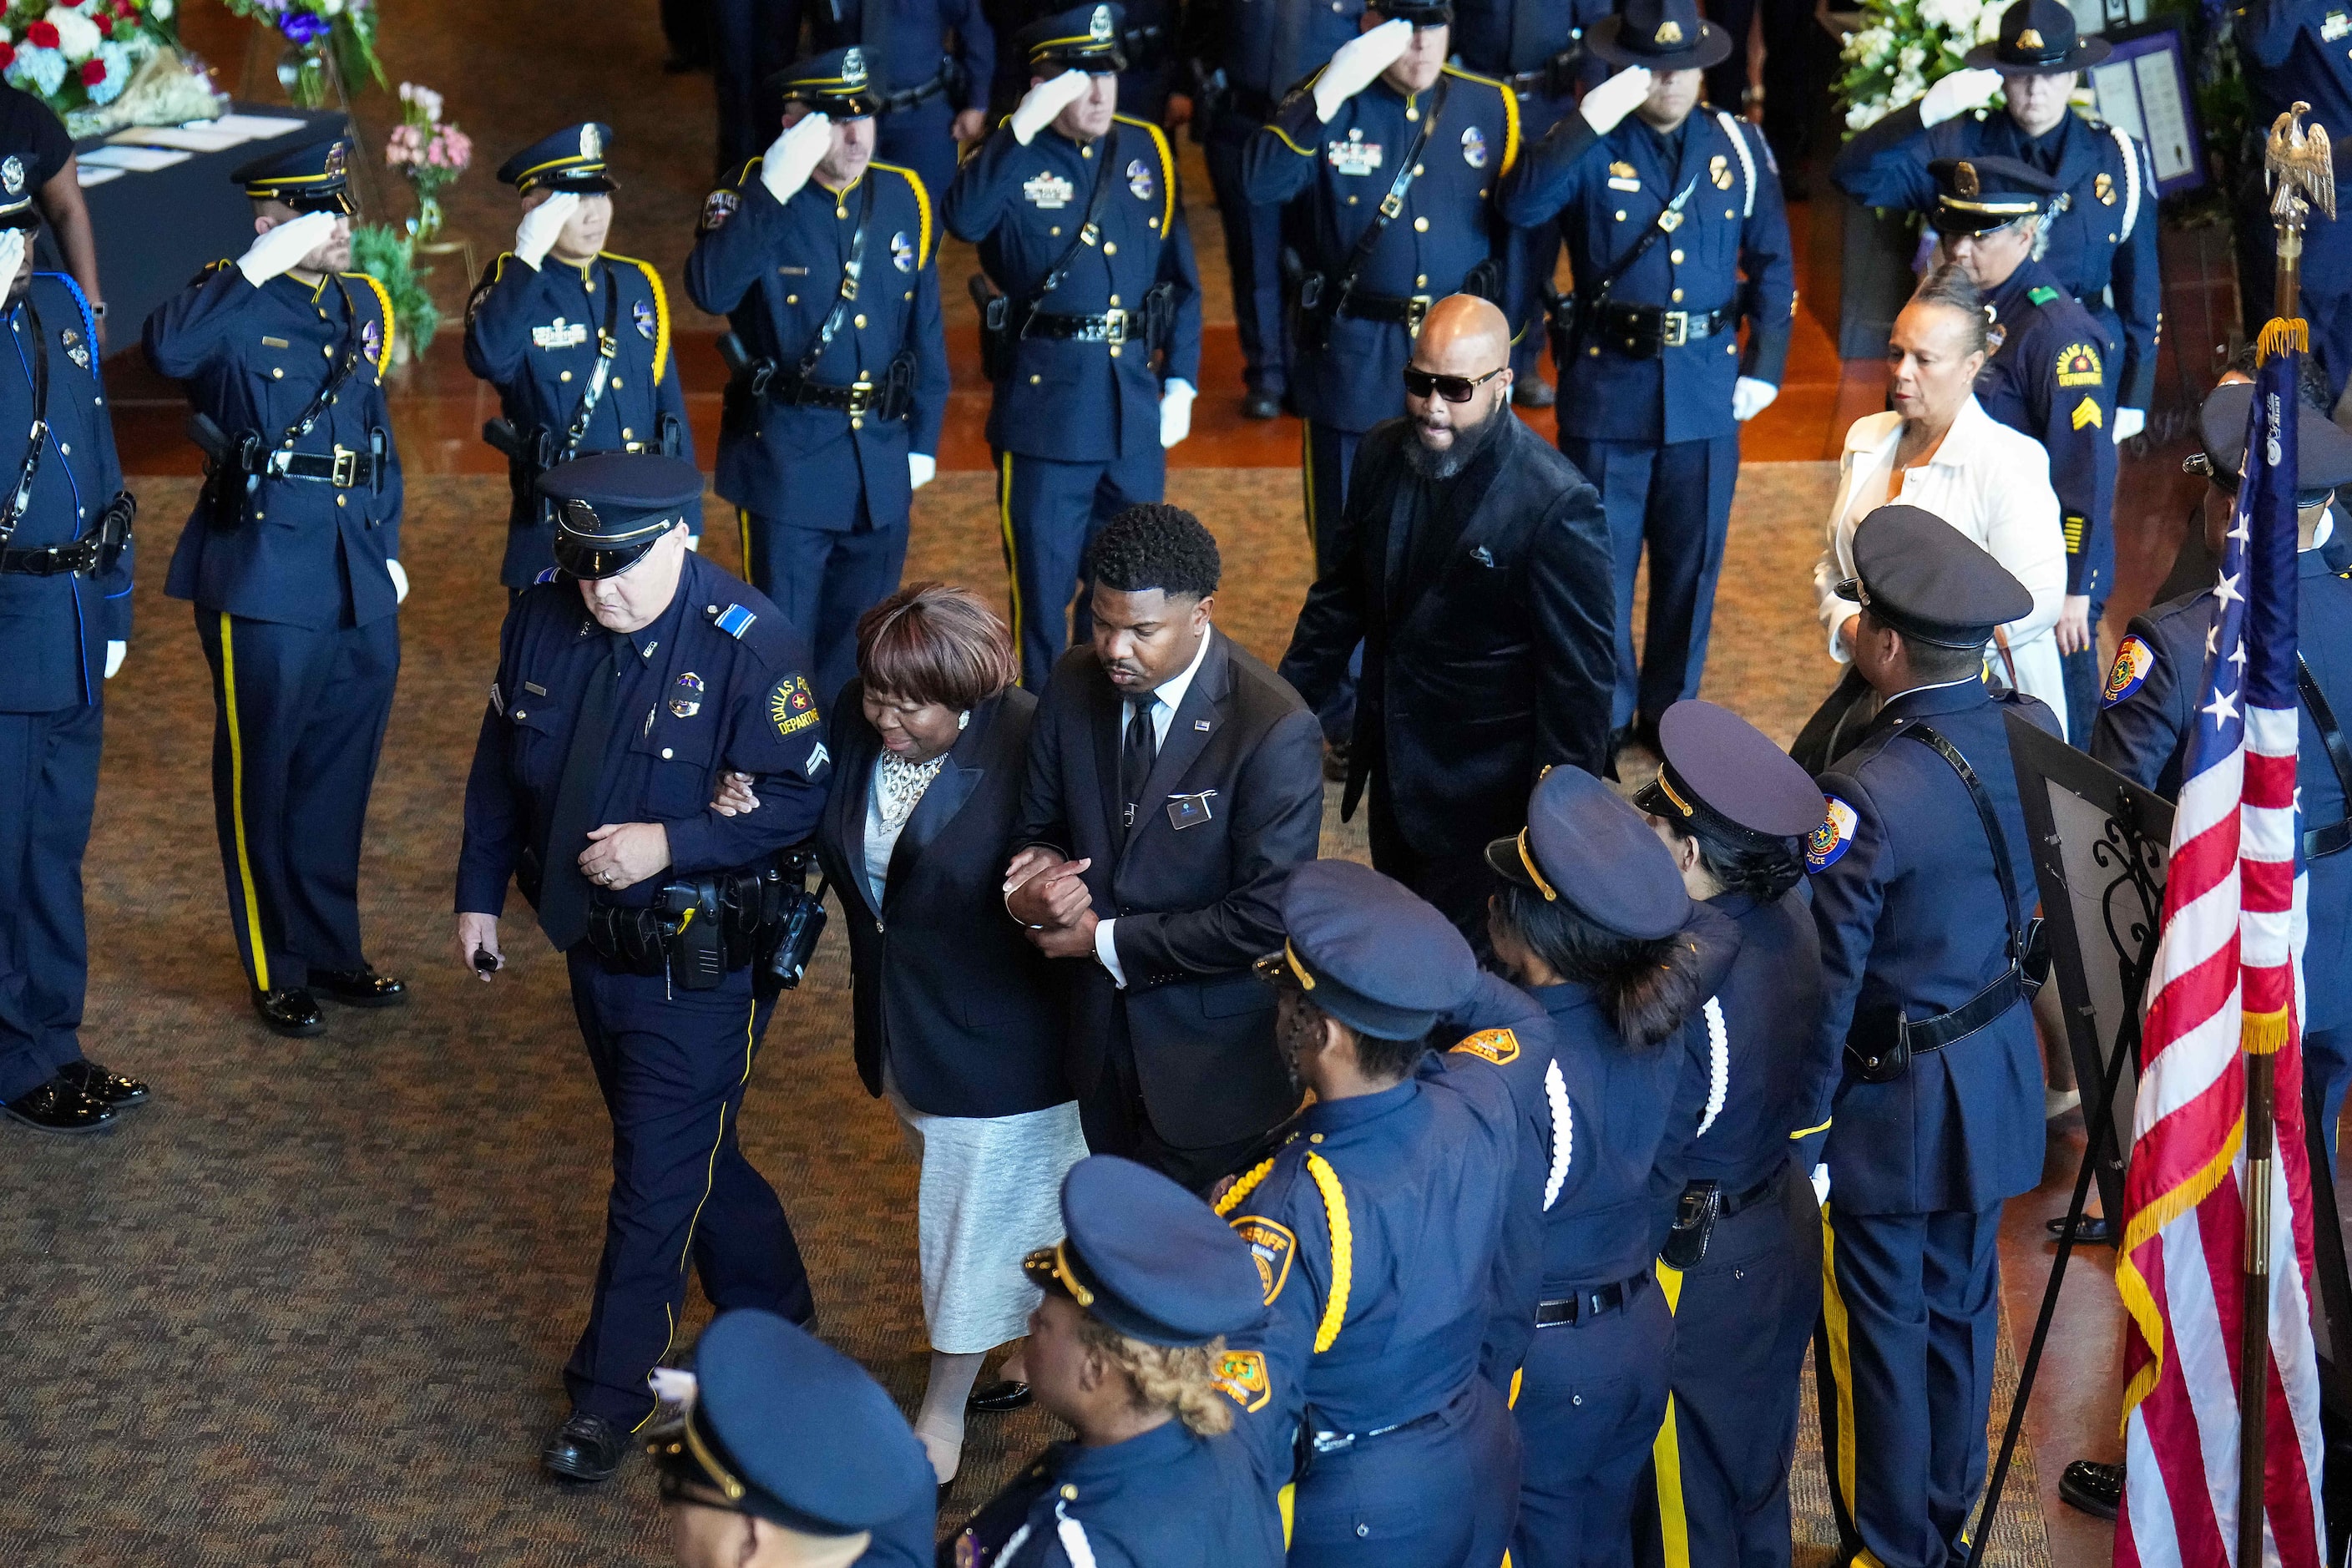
(1110,327)
(1587,1305)
(1755,1194)
(1338,1442)
(343,469)
(862,396)
(1555,75)
(1406,312)
(1644,330)
(910,96)
(93,552)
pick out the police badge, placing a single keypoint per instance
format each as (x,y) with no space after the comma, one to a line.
(12,174)
(902,252)
(643,315)
(592,144)
(686,697)
(372,340)
(336,162)
(1099,25)
(75,350)
(852,68)
(1718,169)
(1474,147)
(1139,181)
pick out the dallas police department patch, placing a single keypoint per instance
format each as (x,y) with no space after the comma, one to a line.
(718,207)
(642,313)
(1829,840)
(2134,659)
(1241,1377)
(1273,1247)
(1355,155)
(559,335)
(902,252)
(2078,365)
(1474,147)
(1139,180)
(686,696)
(1498,1046)
(790,706)
(1048,192)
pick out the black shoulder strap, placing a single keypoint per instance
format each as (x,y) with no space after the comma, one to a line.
(1392,204)
(39,437)
(345,366)
(1090,231)
(850,270)
(2331,735)
(1670,218)
(607,345)
(2000,840)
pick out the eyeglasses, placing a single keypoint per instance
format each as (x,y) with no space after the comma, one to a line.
(1453,388)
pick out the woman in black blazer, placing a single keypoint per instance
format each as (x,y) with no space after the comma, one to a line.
(958,1019)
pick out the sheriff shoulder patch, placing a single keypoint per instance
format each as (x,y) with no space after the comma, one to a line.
(791,705)
(2134,659)
(1241,1376)
(1498,1046)
(2078,365)
(1831,839)
(1272,1246)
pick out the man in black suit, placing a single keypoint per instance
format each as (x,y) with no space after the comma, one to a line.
(1174,782)
(1471,560)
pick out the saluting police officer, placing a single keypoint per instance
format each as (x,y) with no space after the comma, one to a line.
(580,350)
(1376,1225)
(2298,50)
(2099,239)
(1674,227)
(1734,811)
(65,597)
(627,683)
(930,61)
(1081,231)
(1923,888)
(292,557)
(1127,1347)
(2047,378)
(821,258)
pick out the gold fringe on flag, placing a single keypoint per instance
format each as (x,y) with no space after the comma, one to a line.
(2263,1034)
(2278,336)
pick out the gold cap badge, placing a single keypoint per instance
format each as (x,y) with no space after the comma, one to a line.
(1669,32)
(1964,180)
(2029,40)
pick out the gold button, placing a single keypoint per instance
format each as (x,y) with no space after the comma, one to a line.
(857,423)
(327,351)
(1114,298)
(1620,215)
(343,500)
(1110,248)
(1416,171)
(1420,225)
(1315,1137)
(627,434)
(1085,153)
(1114,351)
(1352,201)
(1069,1494)
(1033,380)
(791,299)
(277,375)
(908,295)
(1678,296)
(1727,212)
(1482,192)
(841,212)
(858,320)
(565,376)
(1413,114)
(616,380)
(1421,280)
(1594,353)
(1055,230)
(666,753)
(1675,257)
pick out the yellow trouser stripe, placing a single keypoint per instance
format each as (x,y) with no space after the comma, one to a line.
(236,803)
(1011,555)
(1666,1456)
(1285,1500)
(743,535)
(710,1180)
(1841,1375)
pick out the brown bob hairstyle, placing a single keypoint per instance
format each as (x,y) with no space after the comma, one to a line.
(931,642)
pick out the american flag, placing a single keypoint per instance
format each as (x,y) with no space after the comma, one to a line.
(2227,979)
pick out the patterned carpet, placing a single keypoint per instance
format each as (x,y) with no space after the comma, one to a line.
(308,1308)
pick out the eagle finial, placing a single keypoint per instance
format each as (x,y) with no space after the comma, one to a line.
(2300,166)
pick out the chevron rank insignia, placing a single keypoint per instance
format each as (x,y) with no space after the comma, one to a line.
(2086,413)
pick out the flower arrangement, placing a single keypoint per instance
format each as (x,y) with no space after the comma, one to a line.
(1904,45)
(78,59)
(429,152)
(314,30)
(386,255)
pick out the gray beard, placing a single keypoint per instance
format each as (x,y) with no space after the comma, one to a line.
(1429,464)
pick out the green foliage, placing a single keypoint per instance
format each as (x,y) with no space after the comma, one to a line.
(381,251)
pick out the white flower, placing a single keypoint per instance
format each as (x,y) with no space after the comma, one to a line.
(77,35)
(1912,60)
(118,73)
(38,70)
(160,9)
(333,7)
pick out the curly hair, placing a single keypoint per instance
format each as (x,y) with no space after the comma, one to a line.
(1156,545)
(1180,1379)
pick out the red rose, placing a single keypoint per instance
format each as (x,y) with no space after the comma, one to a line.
(104,24)
(7,56)
(92,72)
(42,35)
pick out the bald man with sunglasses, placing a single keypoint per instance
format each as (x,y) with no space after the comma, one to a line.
(1472,560)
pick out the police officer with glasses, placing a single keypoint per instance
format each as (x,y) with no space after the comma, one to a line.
(628,682)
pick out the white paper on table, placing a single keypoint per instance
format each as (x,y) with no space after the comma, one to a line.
(194,139)
(85,176)
(255,125)
(137,160)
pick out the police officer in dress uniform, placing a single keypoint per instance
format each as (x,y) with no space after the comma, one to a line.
(1376,1225)
(1244,54)
(64,595)
(1923,886)
(580,350)
(1127,1347)
(1735,813)
(789,1456)
(629,679)
(931,62)
(2045,378)
(1674,227)
(1081,232)
(2098,239)
(292,558)
(822,259)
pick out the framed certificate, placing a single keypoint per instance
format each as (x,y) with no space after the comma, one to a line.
(2144,88)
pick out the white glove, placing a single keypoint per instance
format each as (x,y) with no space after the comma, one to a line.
(1358,63)
(1956,94)
(1820,1179)
(284,247)
(543,227)
(1176,410)
(793,156)
(1042,104)
(921,469)
(694,542)
(11,256)
(399,582)
(2129,422)
(116,652)
(1750,397)
(1608,102)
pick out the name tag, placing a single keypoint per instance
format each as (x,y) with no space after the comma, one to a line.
(1353,156)
(792,272)
(1618,184)
(559,335)
(275,343)
(1623,177)
(1048,193)
(2336,26)
(1189,810)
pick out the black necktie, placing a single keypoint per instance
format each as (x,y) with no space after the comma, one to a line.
(1139,752)
(563,889)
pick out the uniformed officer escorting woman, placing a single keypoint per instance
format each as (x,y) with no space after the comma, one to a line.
(1127,1346)
(626,687)
(821,260)
(292,557)
(1923,886)
(575,339)
(64,597)
(1075,212)
(1674,227)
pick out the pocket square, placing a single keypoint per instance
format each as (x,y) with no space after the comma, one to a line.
(1482,557)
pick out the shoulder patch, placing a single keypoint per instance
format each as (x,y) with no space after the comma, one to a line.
(2078,365)
(791,706)
(1498,1046)
(2134,659)
(735,620)
(1830,841)
(1272,1246)
(922,214)
(2042,295)
(1241,1376)
(716,208)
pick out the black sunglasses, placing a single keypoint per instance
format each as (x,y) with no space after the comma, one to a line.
(1453,388)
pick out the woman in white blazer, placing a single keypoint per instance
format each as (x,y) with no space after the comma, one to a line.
(1938,450)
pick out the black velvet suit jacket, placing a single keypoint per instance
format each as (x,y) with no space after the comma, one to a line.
(1195,906)
(967,1012)
(1476,680)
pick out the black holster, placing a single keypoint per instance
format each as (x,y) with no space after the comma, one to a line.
(794,920)
(230,462)
(113,529)
(1560,326)
(1303,291)
(997,332)
(527,454)
(1695,1215)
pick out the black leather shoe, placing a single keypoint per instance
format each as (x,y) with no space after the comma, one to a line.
(57,1106)
(291,1010)
(2094,1488)
(994,1398)
(106,1087)
(1261,405)
(1535,391)
(1336,755)
(584,1449)
(361,987)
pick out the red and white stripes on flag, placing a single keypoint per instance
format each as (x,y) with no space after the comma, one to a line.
(2227,979)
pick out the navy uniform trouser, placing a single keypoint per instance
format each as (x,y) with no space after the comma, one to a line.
(1904,1356)
(1718,1492)
(48,787)
(299,717)
(1433,1493)
(1676,500)
(921,138)
(749,43)
(1589,1398)
(1327,456)
(1047,513)
(1253,255)
(824,580)
(673,1066)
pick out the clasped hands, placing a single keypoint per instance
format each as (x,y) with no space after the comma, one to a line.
(1049,896)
